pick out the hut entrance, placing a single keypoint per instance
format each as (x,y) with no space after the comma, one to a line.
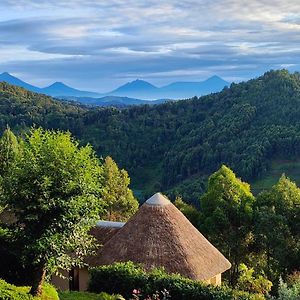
(74,279)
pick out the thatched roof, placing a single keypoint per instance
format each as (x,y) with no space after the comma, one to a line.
(103,232)
(160,235)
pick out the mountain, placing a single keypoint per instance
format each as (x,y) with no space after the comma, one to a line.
(174,146)
(60,89)
(55,90)
(115,101)
(137,89)
(6,77)
(178,90)
(181,90)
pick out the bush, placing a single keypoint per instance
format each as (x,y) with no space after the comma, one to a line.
(289,291)
(123,278)
(12,292)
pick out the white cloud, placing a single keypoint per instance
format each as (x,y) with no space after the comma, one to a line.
(174,38)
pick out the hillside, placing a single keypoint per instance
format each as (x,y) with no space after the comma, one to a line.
(21,109)
(178,144)
(174,146)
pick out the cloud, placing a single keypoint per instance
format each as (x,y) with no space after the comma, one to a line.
(109,42)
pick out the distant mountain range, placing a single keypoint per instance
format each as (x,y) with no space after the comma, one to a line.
(177,90)
(135,90)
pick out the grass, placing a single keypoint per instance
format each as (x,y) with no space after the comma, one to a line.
(78,296)
(87,296)
(12,292)
(291,168)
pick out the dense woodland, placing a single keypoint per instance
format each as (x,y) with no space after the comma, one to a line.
(173,147)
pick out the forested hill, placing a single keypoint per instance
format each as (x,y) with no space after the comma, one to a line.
(174,146)
(20,109)
(244,126)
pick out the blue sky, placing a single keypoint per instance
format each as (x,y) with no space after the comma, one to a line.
(98,45)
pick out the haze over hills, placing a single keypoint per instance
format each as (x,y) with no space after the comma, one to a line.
(116,101)
(137,89)
(177,90)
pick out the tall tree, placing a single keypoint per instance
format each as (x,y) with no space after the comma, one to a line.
(119,199)
(277,227)
(54,190)
(9,149)
(227,209)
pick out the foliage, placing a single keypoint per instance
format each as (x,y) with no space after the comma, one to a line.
(192,213)
(119,199)
(88,296)
(158,295)
(244,127)
(12,292)
(9,149)
(289,291)
(249,282)
(54,190)
(123,278)
(227,216)
(277,228)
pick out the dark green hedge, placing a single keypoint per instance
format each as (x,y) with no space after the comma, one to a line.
(123,278)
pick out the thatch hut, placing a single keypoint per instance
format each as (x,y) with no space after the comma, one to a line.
(77,278)
(159,235)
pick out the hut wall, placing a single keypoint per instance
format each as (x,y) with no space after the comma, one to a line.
(61,284)
(216,280)
(83,279)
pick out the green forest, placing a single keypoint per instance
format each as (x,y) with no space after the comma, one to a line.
(173,147)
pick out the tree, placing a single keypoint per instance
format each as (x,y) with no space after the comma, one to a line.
(227,216)
(191,212)
(54,190)
(9,149)
(277,227)
(119,199)
(250,282)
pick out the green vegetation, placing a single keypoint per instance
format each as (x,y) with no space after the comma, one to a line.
(119,200)
(245,127)
(12,292)
(277,167)
(227,211)
(88,296)
(124,278)
(54,190)
(277,228)
(289,290)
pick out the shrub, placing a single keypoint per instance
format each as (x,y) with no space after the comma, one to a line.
(123,278)
(12,292)
(288,291)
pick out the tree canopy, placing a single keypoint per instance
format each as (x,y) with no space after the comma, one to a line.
(119,199)
(277,226)
(227,210)
(54,189)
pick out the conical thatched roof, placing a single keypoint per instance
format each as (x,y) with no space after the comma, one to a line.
(160,235)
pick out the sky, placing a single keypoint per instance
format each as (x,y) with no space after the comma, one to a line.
(99,45)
